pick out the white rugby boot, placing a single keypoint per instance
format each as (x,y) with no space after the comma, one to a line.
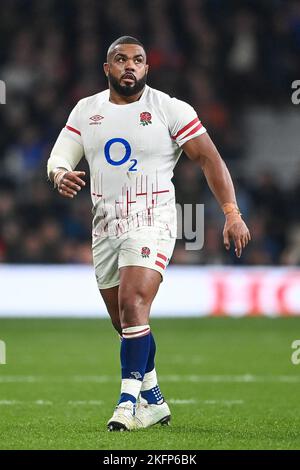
(147,415)
(123,418)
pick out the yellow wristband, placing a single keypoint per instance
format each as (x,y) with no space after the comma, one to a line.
(230,207)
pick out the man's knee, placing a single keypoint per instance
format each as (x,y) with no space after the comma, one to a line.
(134,309)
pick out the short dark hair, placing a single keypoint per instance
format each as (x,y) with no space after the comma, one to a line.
(124,40)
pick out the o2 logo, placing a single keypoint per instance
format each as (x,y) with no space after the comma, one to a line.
(127,154)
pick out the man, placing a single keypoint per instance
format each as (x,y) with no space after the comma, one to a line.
(132,137)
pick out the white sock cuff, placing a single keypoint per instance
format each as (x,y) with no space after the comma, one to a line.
(135,331)
(150,380)
(131,386)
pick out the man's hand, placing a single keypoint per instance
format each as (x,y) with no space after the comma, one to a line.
(68,183)
(236,230)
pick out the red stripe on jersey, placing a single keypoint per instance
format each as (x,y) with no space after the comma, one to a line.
(185,128)
(73,130)
(158,263)
(194,130)
(159,255)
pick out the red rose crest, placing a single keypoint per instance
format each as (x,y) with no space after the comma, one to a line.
(145,252)
(145,118)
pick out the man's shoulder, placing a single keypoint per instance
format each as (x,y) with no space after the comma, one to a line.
(90,101)
(165,102)
(157,96)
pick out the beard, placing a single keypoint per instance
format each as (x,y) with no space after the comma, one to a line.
(127,90)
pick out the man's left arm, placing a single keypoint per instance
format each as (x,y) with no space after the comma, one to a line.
(202,150)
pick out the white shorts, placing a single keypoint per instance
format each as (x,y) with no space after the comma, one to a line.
(150,247)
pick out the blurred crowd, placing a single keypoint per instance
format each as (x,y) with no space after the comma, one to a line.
(220,56)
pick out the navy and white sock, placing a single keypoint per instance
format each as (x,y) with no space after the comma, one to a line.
(135,348)
(150,390)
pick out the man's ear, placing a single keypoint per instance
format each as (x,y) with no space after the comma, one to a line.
(147,68)
(106,68)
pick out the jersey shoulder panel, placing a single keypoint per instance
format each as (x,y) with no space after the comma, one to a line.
(158,100)
(82,110)
(85,104)
(180,117)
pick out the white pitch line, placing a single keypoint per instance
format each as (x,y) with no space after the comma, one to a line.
(246,378)
(224,402)
(50,403)
(10,402)
(85,402)
(172,401)
(20,402)
(19,378)
(192,401)
(96,378)
(42,402)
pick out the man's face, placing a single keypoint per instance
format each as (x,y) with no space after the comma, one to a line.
(126,69)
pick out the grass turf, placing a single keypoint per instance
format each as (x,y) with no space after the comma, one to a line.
(230,384)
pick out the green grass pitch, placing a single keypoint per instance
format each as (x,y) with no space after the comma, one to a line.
(230,384)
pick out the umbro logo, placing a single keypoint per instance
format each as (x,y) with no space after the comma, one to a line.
(96,119)
(136,375)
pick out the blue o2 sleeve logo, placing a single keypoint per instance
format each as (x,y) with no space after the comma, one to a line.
(127,154)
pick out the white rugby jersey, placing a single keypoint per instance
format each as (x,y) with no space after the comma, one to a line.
(132,150)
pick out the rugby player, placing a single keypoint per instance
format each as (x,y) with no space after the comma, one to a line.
(132,136)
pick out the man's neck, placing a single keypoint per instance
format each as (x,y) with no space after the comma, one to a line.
(115,98)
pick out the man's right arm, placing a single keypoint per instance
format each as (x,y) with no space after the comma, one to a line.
(65,156)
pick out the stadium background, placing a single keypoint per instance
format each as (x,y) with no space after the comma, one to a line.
(235,62)
(228,59)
